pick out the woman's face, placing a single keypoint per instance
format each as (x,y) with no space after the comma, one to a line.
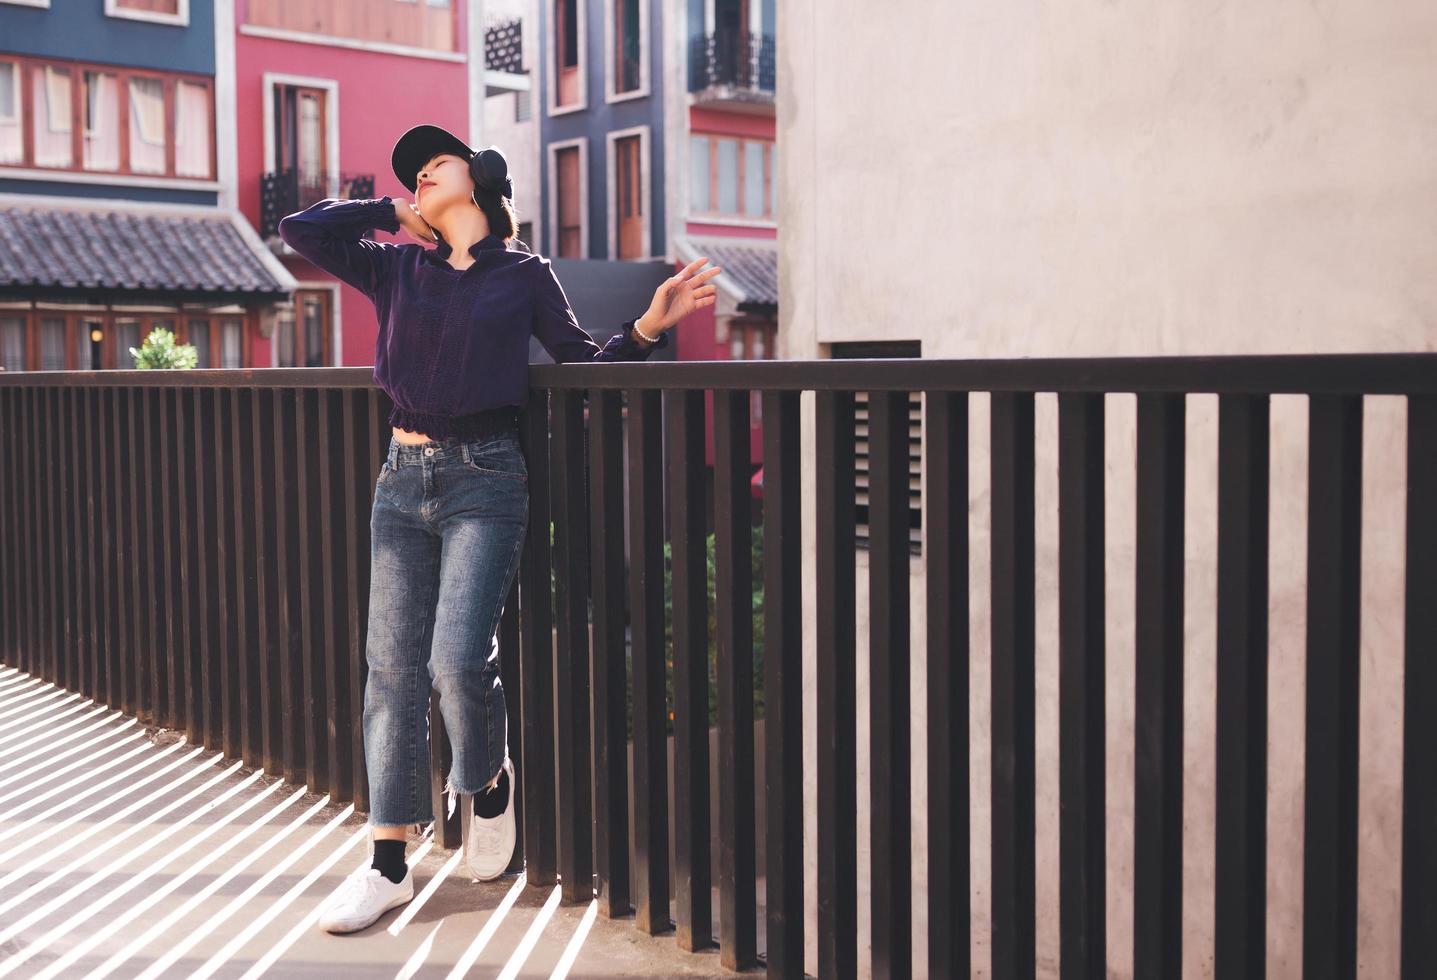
(442,181)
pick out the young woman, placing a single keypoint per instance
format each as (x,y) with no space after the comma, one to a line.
(451,501)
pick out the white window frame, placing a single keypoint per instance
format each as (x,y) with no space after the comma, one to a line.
(646,193)
(582,142)
(331,122)
(45,4)
(610,72)
(552,53)
(180,19)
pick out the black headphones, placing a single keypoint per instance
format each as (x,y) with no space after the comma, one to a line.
(490,170)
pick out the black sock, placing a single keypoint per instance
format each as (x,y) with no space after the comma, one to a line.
(493,802)
(389,859)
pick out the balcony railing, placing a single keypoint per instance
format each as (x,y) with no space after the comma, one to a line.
(284,192)
(192,547)
(736,62)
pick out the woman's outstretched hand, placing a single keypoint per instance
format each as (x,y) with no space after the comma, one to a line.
(678,296)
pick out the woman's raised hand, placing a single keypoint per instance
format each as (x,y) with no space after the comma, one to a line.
(412,221)
(680,295)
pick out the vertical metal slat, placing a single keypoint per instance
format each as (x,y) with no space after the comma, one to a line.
(1082,784)
(1012,686)
(1329,911)
(890,713)
(609,681)
(688,547)
(1240,925)
(646,624)
(837,840)
(1158,758)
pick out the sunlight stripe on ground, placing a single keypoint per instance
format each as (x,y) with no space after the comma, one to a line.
(96,789)
(496,919)
(87,754)
(531,936)
(132,882)
(68,846)
(117,923)
(275,907)
(137,945)
(130,851)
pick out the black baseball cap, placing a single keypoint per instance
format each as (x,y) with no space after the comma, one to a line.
(418,145)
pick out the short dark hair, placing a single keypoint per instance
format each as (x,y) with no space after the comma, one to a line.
(503,220)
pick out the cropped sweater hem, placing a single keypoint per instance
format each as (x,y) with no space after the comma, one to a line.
(471,426)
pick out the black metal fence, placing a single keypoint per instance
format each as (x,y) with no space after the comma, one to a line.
(192,548)
(283,192)
(734,59)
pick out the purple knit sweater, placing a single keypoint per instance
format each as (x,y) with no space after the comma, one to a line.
(451,343)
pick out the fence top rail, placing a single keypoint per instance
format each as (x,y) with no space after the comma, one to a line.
(1298,374)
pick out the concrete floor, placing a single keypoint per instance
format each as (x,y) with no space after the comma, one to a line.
(128,852)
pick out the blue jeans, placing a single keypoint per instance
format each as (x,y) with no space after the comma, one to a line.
(446,531)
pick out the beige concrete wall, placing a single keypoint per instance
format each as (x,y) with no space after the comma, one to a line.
(1092,178)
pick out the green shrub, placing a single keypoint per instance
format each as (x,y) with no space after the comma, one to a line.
(756,613)
(160,351)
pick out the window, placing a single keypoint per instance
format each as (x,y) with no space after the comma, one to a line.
(304,343)
(192,130)
(731,177)
(199,339)
(102,121)
(127,335)
(52,343)
(232,344)
(727,175)
(147,125)
(51,116)
(76,113)
(202,332)
(566,52)
(12,343)
(174,12)
(628,197)
(89,332)
(12,139)
(171,7)
(570,237)
(626,30)
(699,173)
(300,138)
(895,348)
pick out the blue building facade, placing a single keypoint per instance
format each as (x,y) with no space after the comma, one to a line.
(78,36)
(601,115)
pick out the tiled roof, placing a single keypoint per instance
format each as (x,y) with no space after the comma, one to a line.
(750,265)
(150,250)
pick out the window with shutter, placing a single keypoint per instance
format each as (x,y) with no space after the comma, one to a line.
(886,348)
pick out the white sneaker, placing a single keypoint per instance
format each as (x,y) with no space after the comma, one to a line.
(362,898)
(489,846)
